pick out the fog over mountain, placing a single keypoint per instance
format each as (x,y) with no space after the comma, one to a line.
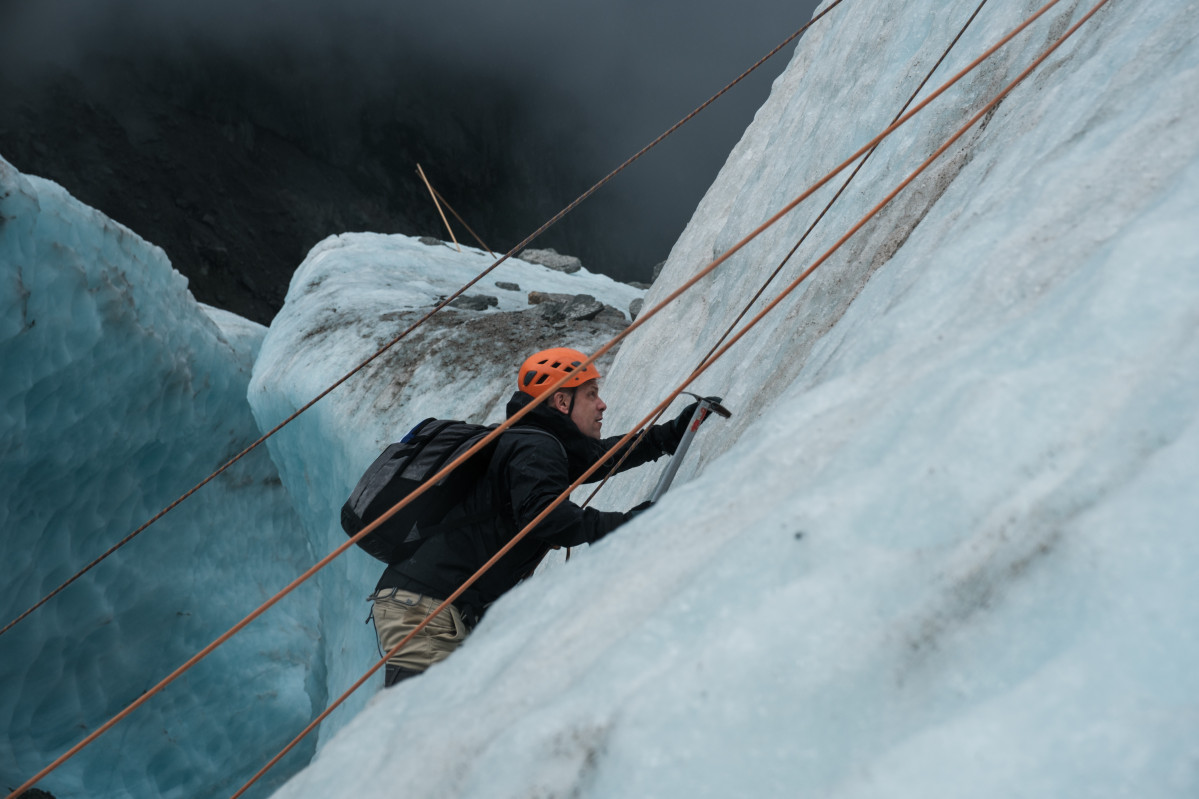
(237,135)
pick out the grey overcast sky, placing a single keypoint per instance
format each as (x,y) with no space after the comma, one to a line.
(602,78)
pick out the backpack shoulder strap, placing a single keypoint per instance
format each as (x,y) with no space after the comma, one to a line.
(538,431)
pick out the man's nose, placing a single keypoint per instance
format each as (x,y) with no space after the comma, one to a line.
(600,405)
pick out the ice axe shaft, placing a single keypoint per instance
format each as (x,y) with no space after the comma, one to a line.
(705,407)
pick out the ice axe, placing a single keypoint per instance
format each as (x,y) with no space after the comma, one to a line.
(706,405)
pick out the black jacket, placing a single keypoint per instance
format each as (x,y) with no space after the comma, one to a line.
(528,469)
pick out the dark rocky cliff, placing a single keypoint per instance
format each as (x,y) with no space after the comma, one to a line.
(237,172)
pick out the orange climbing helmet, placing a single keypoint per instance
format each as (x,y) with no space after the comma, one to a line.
(542,370)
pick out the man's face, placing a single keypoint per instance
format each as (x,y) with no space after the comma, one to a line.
(588,413)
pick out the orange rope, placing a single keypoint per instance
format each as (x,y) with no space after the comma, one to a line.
(644,317)
(657,411)
(841,190)
(616,467)
(524,243)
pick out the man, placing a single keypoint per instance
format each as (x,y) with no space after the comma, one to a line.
(532,463)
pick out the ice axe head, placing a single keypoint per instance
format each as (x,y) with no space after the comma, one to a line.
(712,404)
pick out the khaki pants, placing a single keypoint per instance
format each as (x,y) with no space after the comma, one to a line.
(396,613)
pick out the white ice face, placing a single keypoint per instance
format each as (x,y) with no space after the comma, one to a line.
(946,545)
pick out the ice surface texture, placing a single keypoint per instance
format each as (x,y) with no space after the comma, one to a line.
(119,393)
(947,545)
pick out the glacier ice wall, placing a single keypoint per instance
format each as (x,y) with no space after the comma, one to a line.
(1082,158)
(947,545)
(120,392)
(352,295)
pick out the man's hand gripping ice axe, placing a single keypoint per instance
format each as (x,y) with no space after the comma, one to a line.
(703,407)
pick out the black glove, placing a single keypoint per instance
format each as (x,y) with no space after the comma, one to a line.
(679,426)
(642,508)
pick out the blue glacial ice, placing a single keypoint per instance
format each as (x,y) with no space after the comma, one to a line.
(119,393)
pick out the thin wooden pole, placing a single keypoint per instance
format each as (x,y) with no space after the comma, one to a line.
(446,203)
(433,194)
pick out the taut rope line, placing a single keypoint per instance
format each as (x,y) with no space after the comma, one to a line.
(528,239)
(657,411)
(416,493)
(841,190)
(787,258)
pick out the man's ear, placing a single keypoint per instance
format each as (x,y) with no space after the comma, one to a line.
(560,401)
